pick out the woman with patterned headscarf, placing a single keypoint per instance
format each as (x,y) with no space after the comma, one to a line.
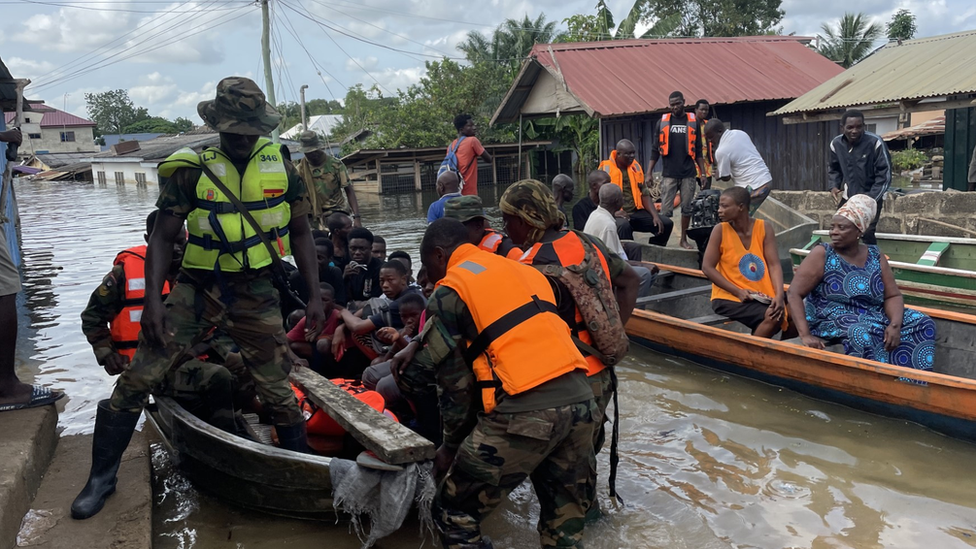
(852,298)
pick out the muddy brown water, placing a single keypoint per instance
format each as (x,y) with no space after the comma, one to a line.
(708,460)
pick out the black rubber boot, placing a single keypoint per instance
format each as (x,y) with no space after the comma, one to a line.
(293,437)
(113,430)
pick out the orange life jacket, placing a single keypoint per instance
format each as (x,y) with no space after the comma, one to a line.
(522,342)
(493,240)
(317,422)
(665,133)
(569,250)
(634,172)
(125,326)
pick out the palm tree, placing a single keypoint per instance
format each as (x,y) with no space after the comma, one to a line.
(510,43)
(851,41)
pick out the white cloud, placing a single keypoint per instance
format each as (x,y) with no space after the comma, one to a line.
(357,64)
(28,68)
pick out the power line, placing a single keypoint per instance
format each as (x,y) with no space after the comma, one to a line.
(120,10)
(324,27)
(207,25)
(317,66)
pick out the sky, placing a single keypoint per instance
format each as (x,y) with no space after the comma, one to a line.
(170,55)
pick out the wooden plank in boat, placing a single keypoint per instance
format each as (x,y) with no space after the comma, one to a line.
(389,440)
(671,296)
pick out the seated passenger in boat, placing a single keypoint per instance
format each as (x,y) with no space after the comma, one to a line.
(742,262)
(851,297)
(313,348)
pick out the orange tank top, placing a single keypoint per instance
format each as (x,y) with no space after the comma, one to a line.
(744,267)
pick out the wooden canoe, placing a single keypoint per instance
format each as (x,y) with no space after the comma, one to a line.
(929,270)
(679,318)
(266,478)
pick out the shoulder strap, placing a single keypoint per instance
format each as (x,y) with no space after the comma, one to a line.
(276,262)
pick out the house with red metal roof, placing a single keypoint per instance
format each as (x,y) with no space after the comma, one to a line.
(48,130)
(626,84)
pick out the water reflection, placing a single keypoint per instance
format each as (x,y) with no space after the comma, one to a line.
(708,460)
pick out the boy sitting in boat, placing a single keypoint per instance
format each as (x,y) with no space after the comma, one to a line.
(314,349)
(743,265)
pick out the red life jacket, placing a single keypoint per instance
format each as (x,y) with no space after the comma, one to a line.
(125,326)
(317,422)
(665,133)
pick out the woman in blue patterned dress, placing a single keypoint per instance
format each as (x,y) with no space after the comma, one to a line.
(851,297)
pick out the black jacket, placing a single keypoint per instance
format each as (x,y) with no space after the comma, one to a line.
(865,167)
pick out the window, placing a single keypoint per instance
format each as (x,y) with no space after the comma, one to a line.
(101,178)
(67,136)
(871,128)
(140,178)
(120,178)
(26,120)
(34,135)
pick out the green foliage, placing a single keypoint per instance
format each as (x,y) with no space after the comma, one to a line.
(291,112)
(113,111)
(717,17)
(510,43)
(154,124)
(600,26)
(908,159)
(851,40)
(901,26)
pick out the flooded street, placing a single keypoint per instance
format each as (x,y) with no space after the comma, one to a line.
(708,460)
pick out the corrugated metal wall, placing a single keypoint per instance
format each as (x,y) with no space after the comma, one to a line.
(960,139)
(795,153)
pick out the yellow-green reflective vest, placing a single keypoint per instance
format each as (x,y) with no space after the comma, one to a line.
(219,236)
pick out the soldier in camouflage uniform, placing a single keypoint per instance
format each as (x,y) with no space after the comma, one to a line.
(545,433)
(326,178)
(226,278)
(204,388)
(534,222)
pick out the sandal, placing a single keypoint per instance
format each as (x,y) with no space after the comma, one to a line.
(40,396)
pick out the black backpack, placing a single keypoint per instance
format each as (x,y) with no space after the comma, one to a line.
(704,218)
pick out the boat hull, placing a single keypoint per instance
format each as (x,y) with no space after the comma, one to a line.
(243,472)
(946,404)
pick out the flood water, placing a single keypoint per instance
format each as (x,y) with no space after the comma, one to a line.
(707,460)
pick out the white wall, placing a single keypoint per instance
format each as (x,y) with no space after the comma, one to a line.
(50,140)
(129,169)
(883,124)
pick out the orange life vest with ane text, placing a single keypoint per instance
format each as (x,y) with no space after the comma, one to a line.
(665,134)
(634,172)
(569,251)
(522,342)
(126,325)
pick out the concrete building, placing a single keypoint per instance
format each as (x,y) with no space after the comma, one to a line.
(49,130)
(135,162)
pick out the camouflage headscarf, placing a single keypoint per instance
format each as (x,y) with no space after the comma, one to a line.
(532,201)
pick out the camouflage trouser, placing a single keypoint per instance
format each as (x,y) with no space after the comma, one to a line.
(203,388)
(252,319)
(554,447)
(602,385)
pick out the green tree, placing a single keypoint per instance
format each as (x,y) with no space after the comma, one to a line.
(851,40)
(183,124)
(112,111)
(719,17)
(510,43)
(153,124)
(901,26)
(600,26)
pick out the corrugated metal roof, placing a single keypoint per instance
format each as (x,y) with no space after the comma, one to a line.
(623,77)
(53,117)
(934,126)
(938,66)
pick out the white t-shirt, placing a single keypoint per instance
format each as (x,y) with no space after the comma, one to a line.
(603,225)
(738,157)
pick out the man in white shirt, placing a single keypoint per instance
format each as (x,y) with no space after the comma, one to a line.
(603,225)
(736,158)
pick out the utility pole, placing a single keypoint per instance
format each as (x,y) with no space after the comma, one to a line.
(266,56)
(301,92)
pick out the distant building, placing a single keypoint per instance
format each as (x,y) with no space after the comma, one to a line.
(49,130)
(322,124)
(116,138)
(135,162)
(626,83)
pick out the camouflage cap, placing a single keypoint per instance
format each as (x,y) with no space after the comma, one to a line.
(239,107)
(310,141)
(464,208)
(532,201)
